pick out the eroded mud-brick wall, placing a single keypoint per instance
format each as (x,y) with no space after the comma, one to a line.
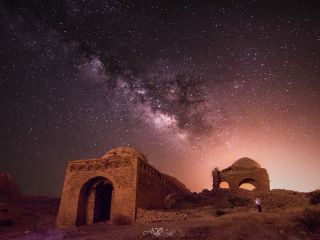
(153,186)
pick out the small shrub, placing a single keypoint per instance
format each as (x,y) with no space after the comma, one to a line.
(121,219)
(315,197)
(310,219)
(239,202)
(219,213)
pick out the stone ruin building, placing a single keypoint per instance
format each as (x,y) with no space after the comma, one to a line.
(114,185)
(244,170)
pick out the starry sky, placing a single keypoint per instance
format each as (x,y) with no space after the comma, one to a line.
(192,84)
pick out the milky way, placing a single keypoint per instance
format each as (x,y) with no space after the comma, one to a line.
(192,85)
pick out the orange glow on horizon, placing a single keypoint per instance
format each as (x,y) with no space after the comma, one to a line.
(247,186)
(224,185)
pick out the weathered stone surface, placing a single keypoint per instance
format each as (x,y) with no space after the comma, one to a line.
(244,170)
(117,184)
(245,163)
(147,216)
(171,199)
(125,152)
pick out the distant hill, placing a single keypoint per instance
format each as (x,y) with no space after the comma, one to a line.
(9,190)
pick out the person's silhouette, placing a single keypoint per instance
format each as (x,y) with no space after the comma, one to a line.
(258,204)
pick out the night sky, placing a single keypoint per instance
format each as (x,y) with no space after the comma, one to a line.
(192,84)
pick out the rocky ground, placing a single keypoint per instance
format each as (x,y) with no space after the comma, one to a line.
(218,215)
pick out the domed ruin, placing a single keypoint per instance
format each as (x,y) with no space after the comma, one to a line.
(242,171)
(125,152)
(117,184)
(245,163)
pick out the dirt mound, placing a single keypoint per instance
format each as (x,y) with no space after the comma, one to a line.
(229,198)
(280,198)
(144,216)
(30,213)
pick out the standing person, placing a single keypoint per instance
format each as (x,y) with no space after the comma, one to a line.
(258,204)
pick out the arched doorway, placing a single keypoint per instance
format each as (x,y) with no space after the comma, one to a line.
(224,184)
(248,184)
(95,201)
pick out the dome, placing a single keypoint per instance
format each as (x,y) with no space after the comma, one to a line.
(125,152)
(245,163)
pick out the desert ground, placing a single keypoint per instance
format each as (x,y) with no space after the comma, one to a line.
(221,215)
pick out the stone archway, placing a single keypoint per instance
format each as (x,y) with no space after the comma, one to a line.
(224,185)
(248,184)
(95,201)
